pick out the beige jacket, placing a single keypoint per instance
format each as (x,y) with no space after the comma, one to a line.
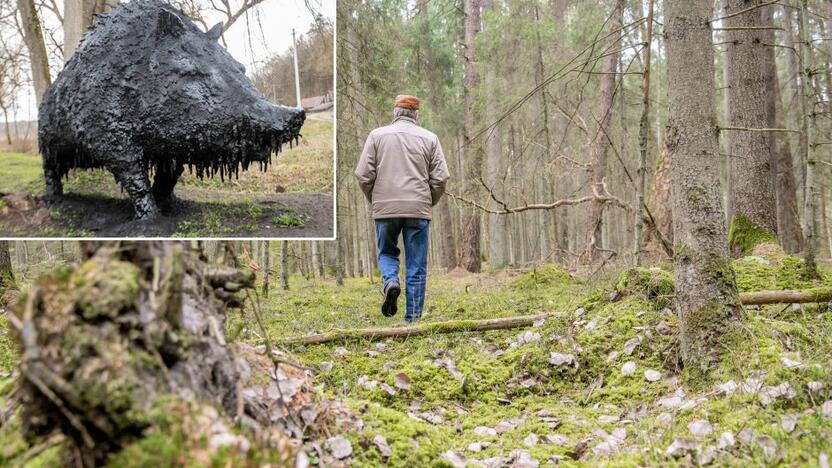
(402,170)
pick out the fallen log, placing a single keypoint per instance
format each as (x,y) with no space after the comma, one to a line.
(455,326)
(786,297)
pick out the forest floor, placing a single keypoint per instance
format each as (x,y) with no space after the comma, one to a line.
(292,199)
(596,383)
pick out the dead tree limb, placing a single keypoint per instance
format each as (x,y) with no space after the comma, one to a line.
(455,326)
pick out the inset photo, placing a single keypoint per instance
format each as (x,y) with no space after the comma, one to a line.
(149,118)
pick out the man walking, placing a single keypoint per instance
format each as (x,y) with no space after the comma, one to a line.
(402,172)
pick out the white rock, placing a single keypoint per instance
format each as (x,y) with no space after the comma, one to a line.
(826,409)
(388,389)
(527,337)
(664,419)
(671,402)
(728,387)
(700,428)
(746,436)
(769,394)
(326,366)
(579,311)
(606,447)
(630,346)
(768,445)
(557,439)
(523,459)
(619,433)
(628,368)
(790,363)
(559,359)
(474,447)
(788,421)
(607,419)
(612,355)
(815,386)
(483,431)
(340,351)
(752,384)
(339,446)
(652,376)
(706,455)
(726,440)
(457,461)
(531,440)
(382,445)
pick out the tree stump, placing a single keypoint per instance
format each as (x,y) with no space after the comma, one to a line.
(137,326)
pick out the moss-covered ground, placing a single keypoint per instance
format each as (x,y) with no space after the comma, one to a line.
(573,388)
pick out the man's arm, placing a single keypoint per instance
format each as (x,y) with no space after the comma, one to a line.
(438,174)
(365,172)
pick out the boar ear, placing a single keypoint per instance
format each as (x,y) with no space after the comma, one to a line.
(168,24)
(215,32)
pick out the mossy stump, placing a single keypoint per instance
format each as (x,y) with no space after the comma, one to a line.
(107,349)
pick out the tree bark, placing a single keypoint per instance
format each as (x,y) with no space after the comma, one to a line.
(78,17)
(33,37)
(706,293)
(6,272)
(660,205)
(471,260)
(601,140)
(788,218)
(643,131)
(808,131)
(750,61)
(284,264)
(493,148)
(265,248)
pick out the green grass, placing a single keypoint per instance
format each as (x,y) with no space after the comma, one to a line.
(20,172)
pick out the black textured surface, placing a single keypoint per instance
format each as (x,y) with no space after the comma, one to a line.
(148,94)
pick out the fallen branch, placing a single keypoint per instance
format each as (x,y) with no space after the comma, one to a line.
(455,326)
(786,297)
(451,326)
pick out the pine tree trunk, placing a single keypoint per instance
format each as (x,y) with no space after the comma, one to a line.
(706,293)
(601,137)
(78,16)
(751,199)
(660,205)
(6,272)
(788,218)
(471,260)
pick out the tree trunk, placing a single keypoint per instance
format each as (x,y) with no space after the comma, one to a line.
(471,260)
(808,131)
(284,264)
(339,261)
(33,37)
(265,248)
(78,17)
(493,147)
(449,255)
(6,272)
(643,131)
(788,218)
(660,205)
(317,270)
(601,137)
(706,293)
(751,199)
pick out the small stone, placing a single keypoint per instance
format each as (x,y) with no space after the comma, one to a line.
(340,351)
(339,447)
(531,440)
(608,419)
(402,381)
(628,368)
(457,461)
(559,359)
(700,428)
(528,383)
(611,356)
(527,337)
(383,447)
(652,376)
(826,409)
(630,346)
(768,445)
(474,447)
(325,366)
(682,446)
(664,419)
(790,363)
(663,328)
(523,459)
(483,431)
(538,322)
(788,422)
(505,426)
(706,455)
(728,387)
(726,440)
(557,439)
(815,386)
(387,388)
(671,402)
(579,311)
(746,436)
(619,433)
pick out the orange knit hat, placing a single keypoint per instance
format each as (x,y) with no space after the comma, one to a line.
(406,101)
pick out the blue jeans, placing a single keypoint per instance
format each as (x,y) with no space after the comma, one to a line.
(415,234)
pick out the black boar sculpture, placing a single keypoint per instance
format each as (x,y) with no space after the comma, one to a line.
(148,93)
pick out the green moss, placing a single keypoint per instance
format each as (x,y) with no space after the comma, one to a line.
(745,235)
(105,289)
(543,277)
(656,284)
(8,348)
(756,273)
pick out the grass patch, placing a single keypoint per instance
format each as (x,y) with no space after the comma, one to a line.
(21,172)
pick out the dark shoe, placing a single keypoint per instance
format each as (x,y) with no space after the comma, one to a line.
(391,295)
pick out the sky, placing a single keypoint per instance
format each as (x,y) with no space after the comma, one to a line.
(250,46)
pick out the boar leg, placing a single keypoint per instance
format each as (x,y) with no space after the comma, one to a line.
(135,181)
(54,186)
(163,185)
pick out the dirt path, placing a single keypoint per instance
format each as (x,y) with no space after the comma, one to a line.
(197,213)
